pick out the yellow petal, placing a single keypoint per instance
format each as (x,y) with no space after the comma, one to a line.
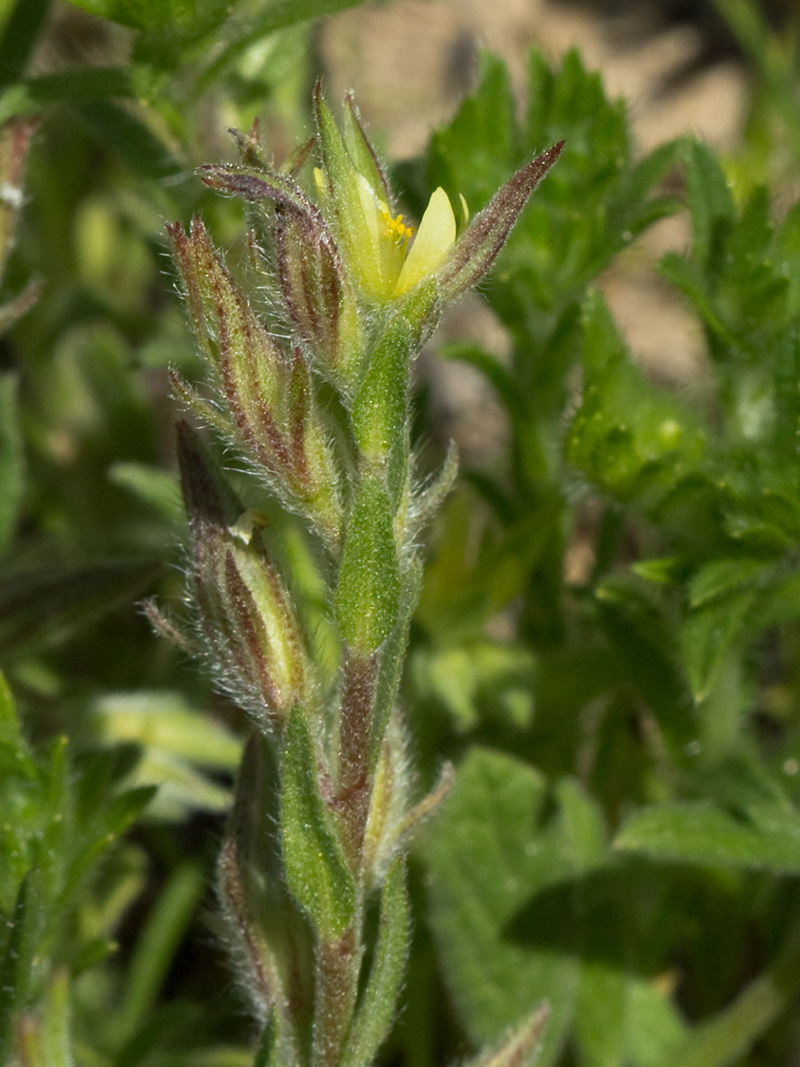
(435,235)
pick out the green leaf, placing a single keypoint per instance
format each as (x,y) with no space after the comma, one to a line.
(710,633)
(392,661)
(379,1002)
(156,488)
(10,733)
(628,437)
(499,840)
(724,576)
(119,127)
(20,958)
(710,202)
(12,466)
(150,15)
(762,837)
(476,153)
(88,83)
(44,606)
(491,368)
(276,15)
(518,1048)
(156,947)
(316,870)
(20,33)
(368,586)
(726,1038)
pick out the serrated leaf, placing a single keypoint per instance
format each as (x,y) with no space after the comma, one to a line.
(482,141)
(765,837)
(379,1002)
(724,576)
(710,633)
(316,870)
(710,202)
(628,437)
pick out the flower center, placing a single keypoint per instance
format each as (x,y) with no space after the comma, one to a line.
(397,229)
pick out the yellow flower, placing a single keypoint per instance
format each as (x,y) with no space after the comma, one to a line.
(385,256)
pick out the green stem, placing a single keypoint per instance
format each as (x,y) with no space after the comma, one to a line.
(353,781)
(338,967)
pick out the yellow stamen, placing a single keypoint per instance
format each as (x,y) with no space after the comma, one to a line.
(397,229)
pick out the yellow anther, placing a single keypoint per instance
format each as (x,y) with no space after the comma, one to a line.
(397,228)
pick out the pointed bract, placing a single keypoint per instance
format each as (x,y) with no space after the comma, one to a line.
(518,1048)
(476,249)
(251,633)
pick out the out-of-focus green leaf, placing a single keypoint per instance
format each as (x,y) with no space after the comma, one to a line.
(500,838)
(19,958)
(12,468)
(152,486)
(156,947)
(626,436)
(177,741)
(165,720)
(761,837)
(151,15)
(20,32)
(47,605)
(121,128)
(89,83)
(710,633)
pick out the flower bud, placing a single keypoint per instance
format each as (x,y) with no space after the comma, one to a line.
(272,415)
(385,256)
(251,633)
(318,295)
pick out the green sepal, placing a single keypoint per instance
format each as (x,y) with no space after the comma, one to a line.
(20,954)
(368,589)
(316,870)
(380,409)
(361,151)
(378,1005)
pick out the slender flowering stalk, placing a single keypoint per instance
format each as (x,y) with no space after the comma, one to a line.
(323,810)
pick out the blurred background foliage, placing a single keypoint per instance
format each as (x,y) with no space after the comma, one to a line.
(607,644)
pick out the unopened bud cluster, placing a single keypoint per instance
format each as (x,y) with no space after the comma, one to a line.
(315,407)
